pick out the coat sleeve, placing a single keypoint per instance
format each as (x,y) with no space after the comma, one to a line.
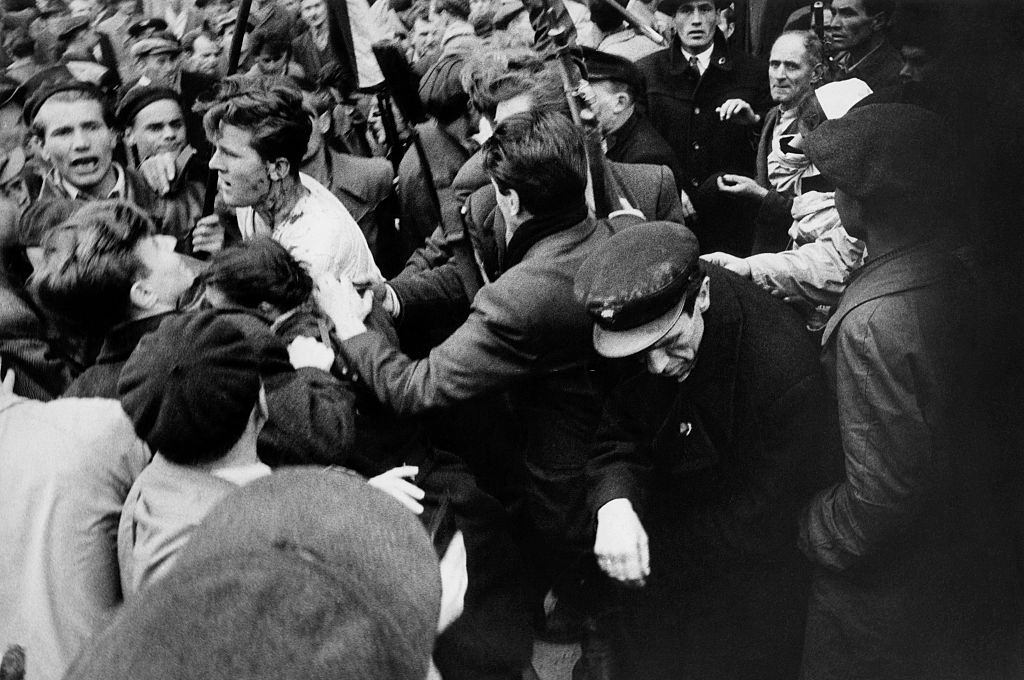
(670,207)
(885,383)
(488,352)
(816,272)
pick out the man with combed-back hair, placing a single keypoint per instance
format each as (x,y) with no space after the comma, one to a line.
(260,135)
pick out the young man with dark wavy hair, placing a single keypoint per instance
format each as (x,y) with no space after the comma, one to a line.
(260,135)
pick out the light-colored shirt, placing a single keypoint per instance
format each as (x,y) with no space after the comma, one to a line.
(67,466)
(365,32)
(118,191)
(703,59)
(319,232)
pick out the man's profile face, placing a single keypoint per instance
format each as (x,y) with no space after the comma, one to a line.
(675,355)
(244,179)
(158,128)
(851,26)
(790,72)
(162,68)
(916,65)
(77,141)
(695,24)
(314,13)
(167,274)
(609,102)
(205,56)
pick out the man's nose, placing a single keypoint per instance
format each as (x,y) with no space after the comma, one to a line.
(80,140)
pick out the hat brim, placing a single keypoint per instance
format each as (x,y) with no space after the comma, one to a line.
(618,344)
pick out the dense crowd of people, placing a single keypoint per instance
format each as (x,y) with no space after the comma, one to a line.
(385,340)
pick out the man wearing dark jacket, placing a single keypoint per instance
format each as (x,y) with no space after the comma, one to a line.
(703,461)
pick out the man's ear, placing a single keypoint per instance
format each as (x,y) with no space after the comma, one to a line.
(323,122)
(704,295)
(817,73)
(142,296)
(621,102)
(279,169)
(514,205)
(879,22)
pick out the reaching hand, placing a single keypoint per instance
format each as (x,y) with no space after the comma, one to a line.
(621,543)
(344,305)
(159,172)
(393,482)
(306,352)
(208,235)
(736,265)
(738,185)
(737,111)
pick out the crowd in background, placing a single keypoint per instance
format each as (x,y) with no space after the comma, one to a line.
(388,339)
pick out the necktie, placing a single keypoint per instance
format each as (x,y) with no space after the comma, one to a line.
(694,66)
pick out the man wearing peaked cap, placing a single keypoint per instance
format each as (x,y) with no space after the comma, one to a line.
(617,86)
(913,576)
(728,418)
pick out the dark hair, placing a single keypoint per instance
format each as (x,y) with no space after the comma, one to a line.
(541,155)
(543,87)
(85,93)
(272,114)
(873,7)
(693,286)
(261,270)
(90,264)
(482,71)
(275,43)
(457,8)
(604,16)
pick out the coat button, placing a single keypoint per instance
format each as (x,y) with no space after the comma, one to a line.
(696,146)
(696,110)
(721,61)
(685,429)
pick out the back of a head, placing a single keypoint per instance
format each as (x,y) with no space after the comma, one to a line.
(540,155)
(90,263)
(302,575)
(441,90)
(485,67)
(190,387)
(260,271)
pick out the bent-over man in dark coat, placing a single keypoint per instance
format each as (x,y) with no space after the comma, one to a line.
(702,462)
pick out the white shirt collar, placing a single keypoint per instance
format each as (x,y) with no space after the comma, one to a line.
(703,59)
(74,192)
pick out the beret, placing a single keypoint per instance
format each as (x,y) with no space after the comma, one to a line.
(884,151)
(441,90)
(147,25)
(160,42)
(67,26)
(670,7)
(49,88)
(138,98)
(190,386)
(635,284)
(305,573)
(605,66)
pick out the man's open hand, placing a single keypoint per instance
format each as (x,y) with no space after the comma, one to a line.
(343,305)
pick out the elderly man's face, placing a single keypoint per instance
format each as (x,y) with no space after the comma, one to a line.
(158,128)
(244,177)
(167,274)
(791,74)
(851,25)
(696,22)
(205,57)
(314,13)
(77,141)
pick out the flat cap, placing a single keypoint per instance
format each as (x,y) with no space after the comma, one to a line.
(51,87)
(884,151)
(190,387)
(146,26)
(65,27)
(306,574)
(634,286)
(605,66)
(161,42)
(138,98)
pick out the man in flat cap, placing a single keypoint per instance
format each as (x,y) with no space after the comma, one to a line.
(77,41)
(617,86)
(910,546)
(702,462)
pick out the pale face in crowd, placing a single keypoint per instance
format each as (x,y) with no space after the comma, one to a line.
(791,75)
(272,64)
(205,57)
(851,25)
(77,141)
(158,128)
(609,105)
(695,23)
(675,355)
(244,177)
(314,13)
(167,276)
